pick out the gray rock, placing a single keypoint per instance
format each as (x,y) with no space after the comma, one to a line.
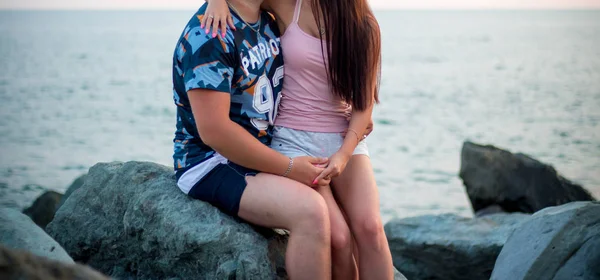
(515,182)
(129,220)
(17,265)
(398,275)
(492,209)
(18,231)
(448,246)
(557,243)
(584,263)
(43,208)
(73,187)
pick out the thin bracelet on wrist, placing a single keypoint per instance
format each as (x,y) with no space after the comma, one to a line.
(355,133)
(289,169)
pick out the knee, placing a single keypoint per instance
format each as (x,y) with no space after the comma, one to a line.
(369,231)
(313,217)
(341,239)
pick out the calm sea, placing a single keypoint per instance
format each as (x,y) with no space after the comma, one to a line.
(78,88)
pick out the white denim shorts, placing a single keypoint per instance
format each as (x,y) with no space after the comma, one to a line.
(295,143)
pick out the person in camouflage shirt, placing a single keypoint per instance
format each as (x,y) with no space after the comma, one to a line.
(253,80)
(226,88)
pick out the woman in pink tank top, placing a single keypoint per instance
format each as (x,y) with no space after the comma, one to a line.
(332,69)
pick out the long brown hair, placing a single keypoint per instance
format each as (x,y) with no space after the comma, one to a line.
(353,49)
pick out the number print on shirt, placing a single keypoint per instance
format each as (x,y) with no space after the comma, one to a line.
(263,95)
(278,75)
(276,80)
(263,99)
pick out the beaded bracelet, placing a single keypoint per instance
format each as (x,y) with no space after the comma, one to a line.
(289,169)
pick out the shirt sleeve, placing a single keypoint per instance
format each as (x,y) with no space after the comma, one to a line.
(207,63)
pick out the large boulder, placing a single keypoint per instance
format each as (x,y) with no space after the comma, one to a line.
(559,243)
(448,246)
(17,231)
(17,265)
(514,182)
(43,208)
(129,220)
(73,187)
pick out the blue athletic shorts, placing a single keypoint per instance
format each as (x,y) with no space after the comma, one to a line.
(223,187)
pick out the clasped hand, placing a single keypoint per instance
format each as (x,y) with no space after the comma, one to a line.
(318,172)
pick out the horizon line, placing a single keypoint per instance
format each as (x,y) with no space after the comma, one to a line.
(582,9)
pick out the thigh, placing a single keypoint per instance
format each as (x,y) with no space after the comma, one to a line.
(356,190)
(276,202)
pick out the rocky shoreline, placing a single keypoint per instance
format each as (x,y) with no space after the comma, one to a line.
(129,221)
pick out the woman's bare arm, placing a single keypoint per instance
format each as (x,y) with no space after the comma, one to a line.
(358,126)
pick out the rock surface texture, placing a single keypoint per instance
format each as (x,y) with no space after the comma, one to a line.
(448,246)
(17,231)
(43,208)
(18,265)
(514,182)
(559,243)
(73,187)
(129,220)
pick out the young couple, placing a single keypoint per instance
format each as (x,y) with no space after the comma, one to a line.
(285,150)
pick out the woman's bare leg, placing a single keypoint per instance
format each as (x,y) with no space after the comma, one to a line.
(278,202)
(356,191)
(343,263)
(354,245)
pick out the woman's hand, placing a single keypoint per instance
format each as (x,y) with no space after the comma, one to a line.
(337,164)
(306,168)
(217,14)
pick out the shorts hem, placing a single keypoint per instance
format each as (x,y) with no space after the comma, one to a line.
(223,187)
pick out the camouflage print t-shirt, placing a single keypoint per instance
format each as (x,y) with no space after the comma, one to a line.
(246,64)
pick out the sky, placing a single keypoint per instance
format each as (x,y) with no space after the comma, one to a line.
(376,4)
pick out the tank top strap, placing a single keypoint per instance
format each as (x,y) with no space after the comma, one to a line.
(297,11)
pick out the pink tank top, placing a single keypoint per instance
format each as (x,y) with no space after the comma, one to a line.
(307,102)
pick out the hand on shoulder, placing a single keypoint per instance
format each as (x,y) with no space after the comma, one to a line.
(217,16)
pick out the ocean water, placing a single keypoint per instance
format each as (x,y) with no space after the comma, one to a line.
(77,88)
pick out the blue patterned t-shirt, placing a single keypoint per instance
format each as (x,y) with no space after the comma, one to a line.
(246,64)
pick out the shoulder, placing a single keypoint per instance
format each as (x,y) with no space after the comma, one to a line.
(195,37)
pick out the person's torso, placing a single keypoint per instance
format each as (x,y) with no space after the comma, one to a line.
(308,101)
(256,84)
